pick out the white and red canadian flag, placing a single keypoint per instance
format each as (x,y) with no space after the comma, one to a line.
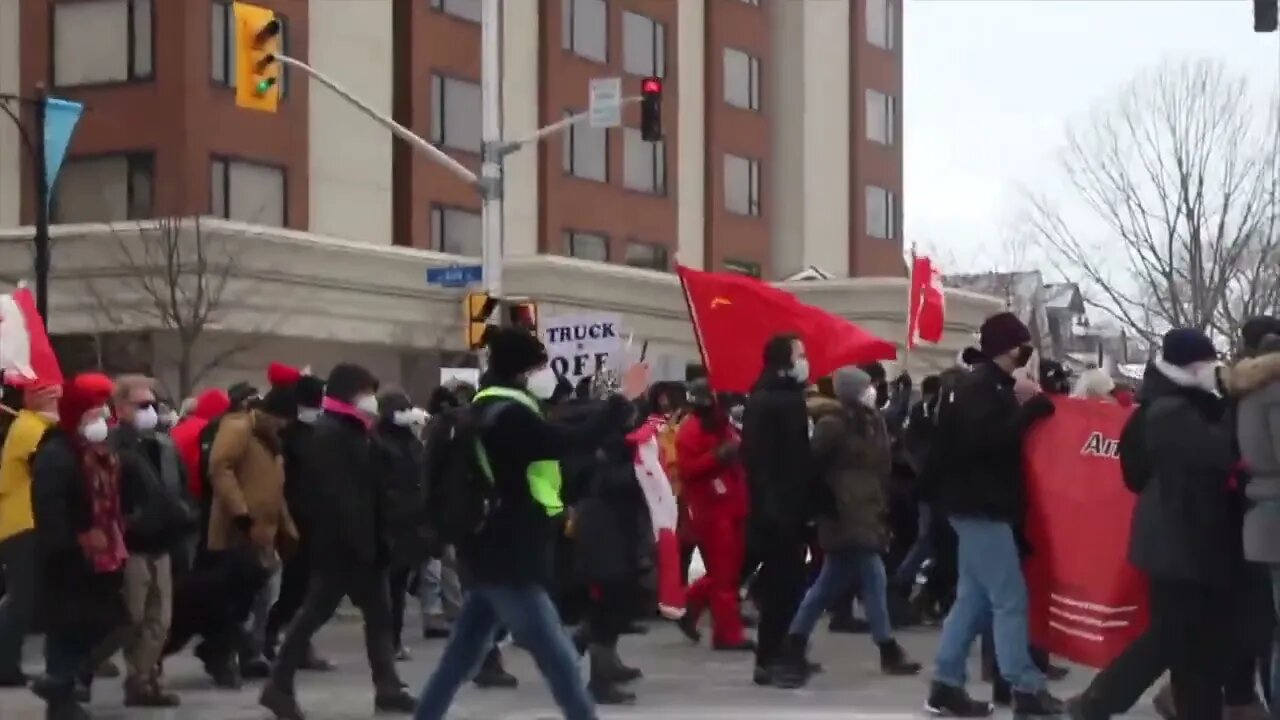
(26,357)
(928,310)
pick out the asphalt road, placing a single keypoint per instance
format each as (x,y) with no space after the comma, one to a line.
(681,681)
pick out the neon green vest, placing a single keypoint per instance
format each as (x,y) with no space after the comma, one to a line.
(543,475)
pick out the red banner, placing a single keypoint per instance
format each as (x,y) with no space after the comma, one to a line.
(1087,602)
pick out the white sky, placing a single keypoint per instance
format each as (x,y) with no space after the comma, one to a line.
(992,84)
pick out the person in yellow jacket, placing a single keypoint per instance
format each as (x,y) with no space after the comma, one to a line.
(17,526)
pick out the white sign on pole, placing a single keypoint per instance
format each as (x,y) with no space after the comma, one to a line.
(605,106)
(581,345)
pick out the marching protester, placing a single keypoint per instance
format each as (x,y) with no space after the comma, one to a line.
(159,519)
(18,541)
(79,524)
(851,457)
(982,494)
(776,455)
(207,406)
(439,592)
(349,551)
(1094,384)
(509,556)
(715,490)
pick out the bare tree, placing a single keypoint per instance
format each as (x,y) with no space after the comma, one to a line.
(1177,182)
(180,280)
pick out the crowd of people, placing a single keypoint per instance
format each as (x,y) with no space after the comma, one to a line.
(528,505)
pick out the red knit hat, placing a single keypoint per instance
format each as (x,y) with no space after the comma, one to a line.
(279,374)
(83,393)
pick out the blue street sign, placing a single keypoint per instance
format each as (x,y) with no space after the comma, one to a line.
(454,276)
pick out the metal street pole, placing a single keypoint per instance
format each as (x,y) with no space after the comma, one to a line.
(42,208)
(493,152)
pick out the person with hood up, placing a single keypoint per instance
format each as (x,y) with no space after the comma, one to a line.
(981,491)
(296,574)
(715,492)
(17,526)
(348,548)
(852,458)
(79,525)
(401,473)
(210,404)
(776,456)
(509,558)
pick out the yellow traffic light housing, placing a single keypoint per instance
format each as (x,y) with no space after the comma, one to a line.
(257,69)
(478,308)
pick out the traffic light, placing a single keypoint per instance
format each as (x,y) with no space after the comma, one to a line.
(651,109)
(523,314)
(1266,15)
(257,69)
(479,307)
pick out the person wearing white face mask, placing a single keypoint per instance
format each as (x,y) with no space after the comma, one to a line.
(347,511)
(776,456)
(509,558)
(160,517)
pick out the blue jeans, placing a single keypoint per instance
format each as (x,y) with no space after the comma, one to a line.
(991,588)
(840,569)
(529,614)
(921,550)
(1275,645)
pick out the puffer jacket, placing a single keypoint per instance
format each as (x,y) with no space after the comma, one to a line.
(852,458)
(1257,380)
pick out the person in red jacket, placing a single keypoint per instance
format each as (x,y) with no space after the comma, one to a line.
(715,490)
(186,434)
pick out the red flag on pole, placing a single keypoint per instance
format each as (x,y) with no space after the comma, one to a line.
(735,315)
(928,310)
(25,353)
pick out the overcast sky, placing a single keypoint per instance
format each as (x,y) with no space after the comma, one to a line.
(991,85)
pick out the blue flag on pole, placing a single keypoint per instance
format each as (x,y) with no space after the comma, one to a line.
(60,118)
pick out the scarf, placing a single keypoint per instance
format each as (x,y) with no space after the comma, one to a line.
(338,407)
(103,543)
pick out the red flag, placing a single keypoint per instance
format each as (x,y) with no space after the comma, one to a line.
(928,309)
(25,353)
(735,315)
(1087,602)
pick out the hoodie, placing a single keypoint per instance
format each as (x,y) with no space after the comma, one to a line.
(186,435)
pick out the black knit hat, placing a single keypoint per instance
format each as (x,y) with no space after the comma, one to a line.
(310,390)
(240,394)
(1001,333)
(280,401)
(1186,346)
(513,351)
(347,380)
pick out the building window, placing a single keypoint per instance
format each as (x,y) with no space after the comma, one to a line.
(741,185)
(646,255)
(882,213)
(107,41)
(104,189)
(455,113)
(741,79)
(881,26)
(586,150)
(247,192)
(455,231)
(465,9)
(743,267)
(222,44)
(584,28)
(882,117)
(644,45)
(587,246)
(644,163)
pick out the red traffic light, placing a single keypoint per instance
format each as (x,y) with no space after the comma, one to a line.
(651,86)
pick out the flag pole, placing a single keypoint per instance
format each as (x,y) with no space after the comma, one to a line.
(911,301)
(693,318)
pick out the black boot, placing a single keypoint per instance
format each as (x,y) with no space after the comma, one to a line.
(1079,708)
(792,670)
(949,701)
(617,670)
(894,660)
(1037,704)
(252,665)
(493,675)
(284,705)
(394,700)
(604,681)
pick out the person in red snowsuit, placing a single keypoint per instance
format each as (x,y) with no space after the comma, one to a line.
(186,434)
(715,490)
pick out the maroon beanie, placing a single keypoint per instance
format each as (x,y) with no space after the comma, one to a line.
(1001,333)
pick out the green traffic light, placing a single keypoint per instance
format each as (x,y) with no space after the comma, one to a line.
(264,85)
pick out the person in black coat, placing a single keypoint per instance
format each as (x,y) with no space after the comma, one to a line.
(776,456)
(401,472)
(348,548)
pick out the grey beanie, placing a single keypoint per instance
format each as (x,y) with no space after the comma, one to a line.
(850,382)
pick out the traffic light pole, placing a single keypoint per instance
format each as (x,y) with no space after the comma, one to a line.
(491,170)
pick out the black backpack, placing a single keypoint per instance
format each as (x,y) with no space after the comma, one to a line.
(1134,467)
(460,491)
